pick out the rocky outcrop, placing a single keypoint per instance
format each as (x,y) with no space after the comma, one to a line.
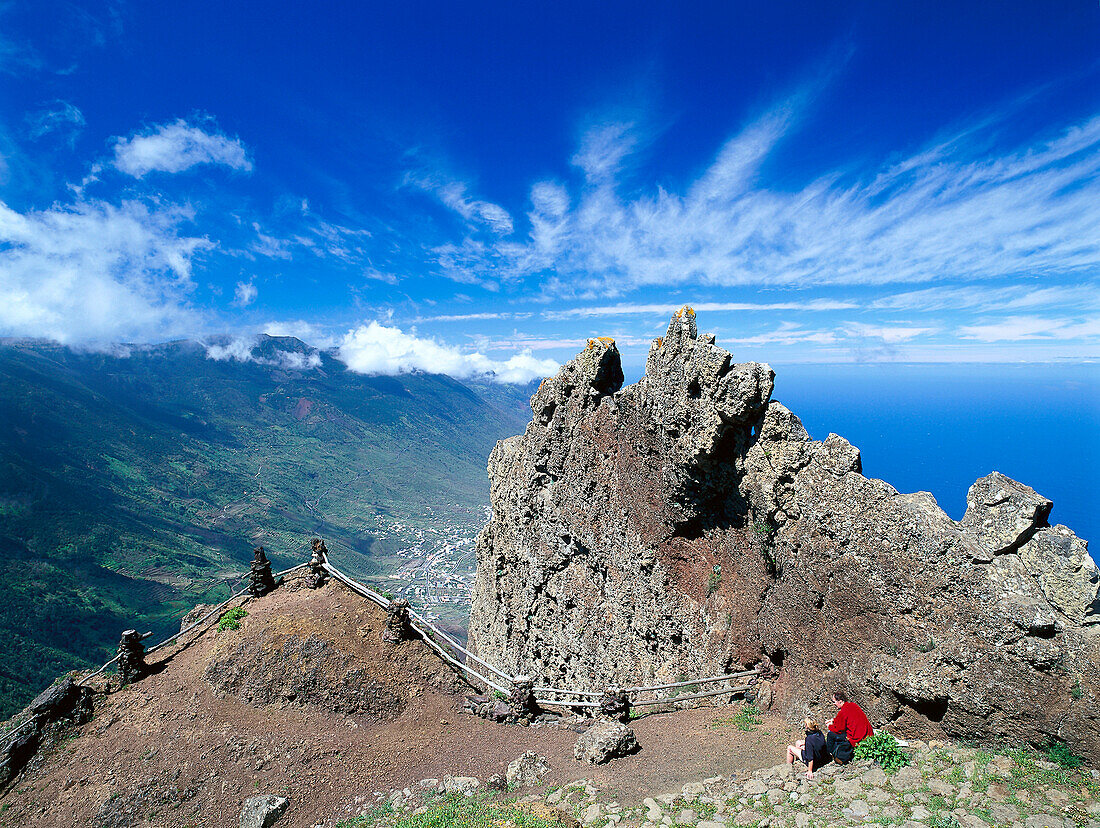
(688,524)
(290,669)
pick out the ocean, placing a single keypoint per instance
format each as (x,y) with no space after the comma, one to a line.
(938,428)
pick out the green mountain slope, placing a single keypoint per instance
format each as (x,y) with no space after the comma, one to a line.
(128,482)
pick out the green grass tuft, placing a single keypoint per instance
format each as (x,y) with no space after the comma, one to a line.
(231,619)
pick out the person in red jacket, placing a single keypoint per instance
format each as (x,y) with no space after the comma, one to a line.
(850,727)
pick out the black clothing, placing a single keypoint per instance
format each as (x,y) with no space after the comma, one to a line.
(815,749)
(838,745)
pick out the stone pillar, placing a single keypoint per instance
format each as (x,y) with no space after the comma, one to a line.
(397,624)
(260,580)
(522,700)
(317,574)
(131,657)
(615,704)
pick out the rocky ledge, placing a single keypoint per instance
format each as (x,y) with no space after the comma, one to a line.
(944,784)
(688,525)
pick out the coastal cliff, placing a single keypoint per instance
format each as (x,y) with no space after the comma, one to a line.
(687,525)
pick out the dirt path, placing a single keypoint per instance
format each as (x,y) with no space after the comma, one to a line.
(169,751)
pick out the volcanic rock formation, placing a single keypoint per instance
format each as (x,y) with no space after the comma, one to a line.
(687,525)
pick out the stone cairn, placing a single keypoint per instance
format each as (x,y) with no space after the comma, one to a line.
(317,574)
(260,580)
(131,657)
(397,621)
(521,702)
(615,704)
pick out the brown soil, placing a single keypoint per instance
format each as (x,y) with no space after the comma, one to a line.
(168,751)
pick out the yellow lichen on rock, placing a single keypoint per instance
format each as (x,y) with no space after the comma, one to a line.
(686,312)
(600,340)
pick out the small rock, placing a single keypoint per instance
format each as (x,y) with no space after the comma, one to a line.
(605,741)
(592,813)
(692,790)
(848,788)
(875,778)
(460,784)
(859,808)
(1043,821)
(263,811)
(755,787)
(938,786)
(528,770)
(1002,812)
(686,817)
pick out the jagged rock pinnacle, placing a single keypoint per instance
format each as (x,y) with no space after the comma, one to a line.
(688,524)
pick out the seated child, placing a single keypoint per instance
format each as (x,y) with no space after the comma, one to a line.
(810,750)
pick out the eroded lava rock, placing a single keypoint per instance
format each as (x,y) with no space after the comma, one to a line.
(687,525)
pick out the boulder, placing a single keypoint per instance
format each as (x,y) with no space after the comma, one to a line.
(527,770)
(262,811)
(460,785)
(605,741)
(688,525)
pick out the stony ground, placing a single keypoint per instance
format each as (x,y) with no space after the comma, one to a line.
(175,750)
(943,786)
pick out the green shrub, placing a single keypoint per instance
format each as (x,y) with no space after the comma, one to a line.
(942,820)
(714,581)
(1060,754)
(883,749)
(231,619)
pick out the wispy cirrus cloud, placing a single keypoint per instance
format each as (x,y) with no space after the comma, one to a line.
(178,146)
(60,117)
(452,194)
(1003,299)
(1032,328)
(665,309)
(951,211)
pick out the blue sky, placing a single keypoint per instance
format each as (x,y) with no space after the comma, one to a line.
(471,187)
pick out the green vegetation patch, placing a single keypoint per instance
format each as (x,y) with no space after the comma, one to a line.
(747,718)
(231,619)
(457,811)
(883,749)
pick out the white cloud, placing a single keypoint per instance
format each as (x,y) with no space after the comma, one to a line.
(1027,328)
(1013,297)
(662,309)
(952,211)
(603,149)
(61,117)
(465,317)
(452,194)
(244,294)
(380,349)
(177,147)
(300,329)
(97,272)
(242,349)
(890,334)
